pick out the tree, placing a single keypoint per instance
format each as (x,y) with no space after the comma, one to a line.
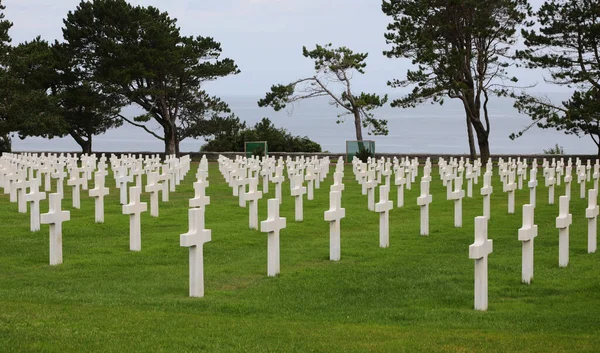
(139,53)
(229,134)
(567,43)
(53,97)
(333,66)
(460,50)
(5,25)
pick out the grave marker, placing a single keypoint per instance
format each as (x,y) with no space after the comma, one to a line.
(134,209)
(383,207)
(479,251)
(563,221)
(194,239)
(55,217)
(272,225)
(526,235)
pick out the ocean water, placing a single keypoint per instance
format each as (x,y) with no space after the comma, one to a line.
(425,129)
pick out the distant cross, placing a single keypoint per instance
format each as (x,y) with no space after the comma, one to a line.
(510,188)
(479,252)
(424,200)
(533,183)
(55,217)
(297,192)
(272,226)
(278,180)
(337,182)
(400,181)
(122,179)
(383,207)
(568,180)
(334,216)
(98,192)
(200,199)
(486,192)
(134,209)
(35,196)
(526,235)
(153,186)
(164,178)
(470,176)
(241,182)
(457,195)
(310,177)
(550,182)
(60,175)
(252,196)
(20,186)
(195,239)
(76,182)
(370,184)
(591,213)
(563,221)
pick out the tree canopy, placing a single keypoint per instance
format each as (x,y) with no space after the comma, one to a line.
(139,54)
(333,67)
(5,26)
(567,44)
(459,49)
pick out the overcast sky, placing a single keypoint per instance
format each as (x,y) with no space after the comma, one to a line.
(264,37)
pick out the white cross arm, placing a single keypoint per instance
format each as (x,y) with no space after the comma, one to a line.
(480,249)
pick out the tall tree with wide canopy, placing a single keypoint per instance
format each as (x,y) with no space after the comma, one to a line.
(459,49)
(334,67)
(139,53)
(567,44)
(52,97)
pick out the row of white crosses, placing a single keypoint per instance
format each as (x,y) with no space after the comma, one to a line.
(18,172)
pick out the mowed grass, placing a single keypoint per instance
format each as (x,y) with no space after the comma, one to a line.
(416,295)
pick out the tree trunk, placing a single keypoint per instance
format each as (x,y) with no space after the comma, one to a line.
(171,143)
(357,125)
(86,146)
(5,143)
(482,139)
(472,150)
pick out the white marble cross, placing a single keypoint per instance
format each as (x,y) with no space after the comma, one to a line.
(297,192)
(479,251)
(241,182)
(424,200)
(470,176)
(252,196)
(20,186)
(310,178)
(526,235)
(153,186)
(457,195)
(581,179)
(400,180)
(533,183)
(76,181)
(55,217)
(98,192)
(334,216)
(194,239)
(591,213)
(35,196)
(134,209)
(122,179)
(370,184)
(383,207)
(486,192)
(563,221)
(337,182)
(278,180)
(550,182)
(165,179)
(510,188)
(272,225)
(200,199)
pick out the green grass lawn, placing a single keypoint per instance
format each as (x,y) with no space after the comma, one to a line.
(416,295)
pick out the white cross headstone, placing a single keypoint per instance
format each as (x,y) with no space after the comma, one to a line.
(563,221)
(370,184)
(510,187)
(76,181)
(252,196)
(153,186)
(35,196)
(486,192)
(310,177)
(424,200)
(297,192)
(55,217)
(568,180)
(550,182)
(98,192)
(400,180)
(21,186)
(533,183)
(479,251)
(457,195)
(195,239)
(334,216)
(526,235)
(278,180)
(134,209)
(122,179)
(383,207)
(272,225)
(470,176)
(591,213)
